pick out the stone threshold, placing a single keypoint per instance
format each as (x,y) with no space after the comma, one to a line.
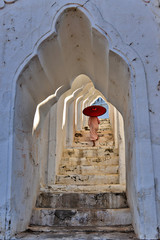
(84,188)
(78,233)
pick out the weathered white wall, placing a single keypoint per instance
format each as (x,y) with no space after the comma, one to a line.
(121,148)
(139,45)
(52,144)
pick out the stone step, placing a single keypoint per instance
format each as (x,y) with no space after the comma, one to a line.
(105,129)
(87,170)
(82,200)
(86,140)
(90,144)
(103,123)
(95,148)
(80,217)
(84,188)
(101,128)
(102,133)
(91,179)
(93,161)
(124,232)
(103,143)
(104,119)
(87,229)
(88,152)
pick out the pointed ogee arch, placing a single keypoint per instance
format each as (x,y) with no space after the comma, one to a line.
(60,56)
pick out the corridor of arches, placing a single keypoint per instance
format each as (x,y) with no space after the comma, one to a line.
(62,122)
(73,173)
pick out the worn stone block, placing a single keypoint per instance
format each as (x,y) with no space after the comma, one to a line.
(82,200)
(87,179)
(75,217)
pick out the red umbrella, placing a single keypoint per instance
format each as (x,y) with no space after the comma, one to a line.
(94,111)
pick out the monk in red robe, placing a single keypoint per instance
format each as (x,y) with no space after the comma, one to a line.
(93,123)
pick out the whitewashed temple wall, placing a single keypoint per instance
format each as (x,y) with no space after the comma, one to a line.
(52,143)
(132,31)
(111,114)
(121,147)
(82,98)
(79,112)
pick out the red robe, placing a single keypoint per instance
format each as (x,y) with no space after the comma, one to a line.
(93,124)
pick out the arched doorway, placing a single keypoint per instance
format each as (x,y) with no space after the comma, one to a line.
(90,53)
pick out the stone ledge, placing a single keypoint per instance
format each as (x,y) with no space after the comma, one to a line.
(78,233)
(84,188)
(65,169)
(82,200)
(94,161)
(80,217)
(87,179)
(122,229)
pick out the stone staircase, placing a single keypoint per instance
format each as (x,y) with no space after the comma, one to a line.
(86,165)
(87,192)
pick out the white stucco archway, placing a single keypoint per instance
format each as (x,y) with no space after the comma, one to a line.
(41,75)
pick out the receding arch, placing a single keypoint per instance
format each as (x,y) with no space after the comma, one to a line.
(35,83)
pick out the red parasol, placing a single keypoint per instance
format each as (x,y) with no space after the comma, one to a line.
(94,111)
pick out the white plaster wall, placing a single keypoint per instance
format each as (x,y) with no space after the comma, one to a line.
(84,100)
(43,145)
(70,126)
(115,129)
(121,148)
(62,104)
(79,113)
(52,144)
(19,36)
(111,114)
